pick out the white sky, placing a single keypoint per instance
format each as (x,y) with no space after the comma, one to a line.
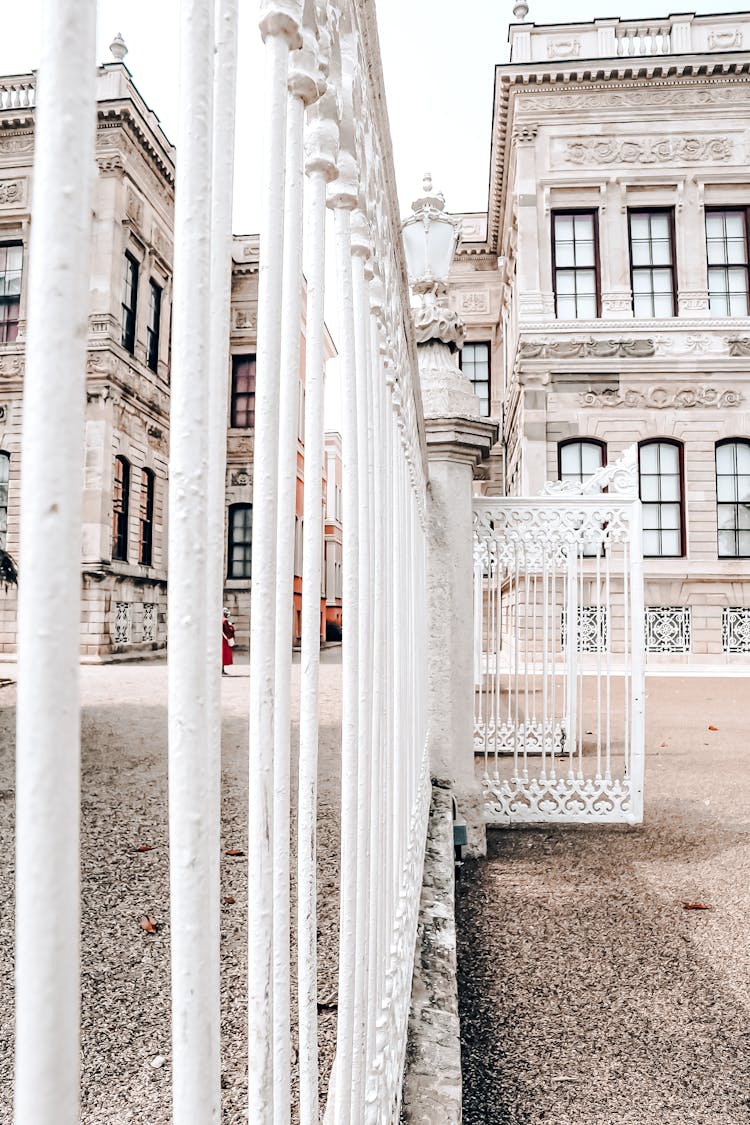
(438,58)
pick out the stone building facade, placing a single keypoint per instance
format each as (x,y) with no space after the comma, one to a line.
(609,283)
(125,474)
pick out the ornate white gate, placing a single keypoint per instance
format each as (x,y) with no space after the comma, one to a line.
(559,664)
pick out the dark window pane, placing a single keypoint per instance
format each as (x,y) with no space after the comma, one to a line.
(11,265)
(146,518)
(726,250)
(120,506)
(243,392)
(651,262)
(154,325)
(733,495)
(129,302)
(475,364)
(239,553)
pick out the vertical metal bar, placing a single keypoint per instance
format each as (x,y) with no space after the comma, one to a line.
(281,31)
(598,641)
(350,647)
(196,1093)
(607,634)
(571,656)
(364,719)
(48,736)
(546,725)
(321,144)
(224,106)
(638,659)
(302,85)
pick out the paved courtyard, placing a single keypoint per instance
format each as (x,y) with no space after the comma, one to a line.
(589,994)
(125,1001)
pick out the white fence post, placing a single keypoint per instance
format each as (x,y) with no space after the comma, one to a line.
(280,26)
(224,104)
(192,818)
(48,717)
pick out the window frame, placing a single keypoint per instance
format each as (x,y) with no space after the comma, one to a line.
(488,345)
(681,470)
(146,503)
(669,212)
(130,314)
(580,441)
(735,504)
(573,212)
(232,542)
(745,213)
(5,301)
(5,457)
(153,326)
(237,359)
(121,515)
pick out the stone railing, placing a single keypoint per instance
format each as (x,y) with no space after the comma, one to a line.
(613,38)
(18,91)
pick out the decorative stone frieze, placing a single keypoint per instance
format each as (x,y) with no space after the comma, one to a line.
(739,345)
(477,301)
(661,398)
(10,366)
(242,319)
(651,150)
(241,478)
(588,348)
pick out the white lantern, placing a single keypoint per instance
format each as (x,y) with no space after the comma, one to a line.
(430,238)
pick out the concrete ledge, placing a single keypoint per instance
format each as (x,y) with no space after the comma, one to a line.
(432,1077)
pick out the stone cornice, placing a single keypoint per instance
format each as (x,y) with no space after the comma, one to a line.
(643,82)
(460,438)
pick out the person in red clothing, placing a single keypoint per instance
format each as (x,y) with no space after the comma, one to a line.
(227,642)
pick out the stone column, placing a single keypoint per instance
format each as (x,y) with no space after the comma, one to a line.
(457,440)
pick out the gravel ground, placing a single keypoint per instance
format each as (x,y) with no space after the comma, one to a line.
(125,997)
(589,995)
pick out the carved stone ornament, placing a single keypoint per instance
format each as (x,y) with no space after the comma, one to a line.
(654,150)
(3,413)
(729,40)
(476,302)
(112,163)
(660,398)
(526,134)
(134,209)
(241,478)
(12,193)
(435,322)
(619,477)
(10,365)
(244,319)
(589,348)
(739,345)
(564,49)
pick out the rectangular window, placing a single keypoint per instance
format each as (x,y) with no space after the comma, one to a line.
(154,323)
(146,518)
(660,471)
(243,392)
(11,265)
(120,507)
(575,265)
(475,364)
(733,498)
(240,541)
(652,263)
(4,477)
(726,251)
(129,302)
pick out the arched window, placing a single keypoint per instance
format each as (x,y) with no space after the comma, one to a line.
(120,506)
(4,477)
(240,547)
(733,498)
(146,518)
(662,494)
(579,459)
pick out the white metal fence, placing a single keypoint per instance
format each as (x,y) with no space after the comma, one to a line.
(326,145)
(559,656)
